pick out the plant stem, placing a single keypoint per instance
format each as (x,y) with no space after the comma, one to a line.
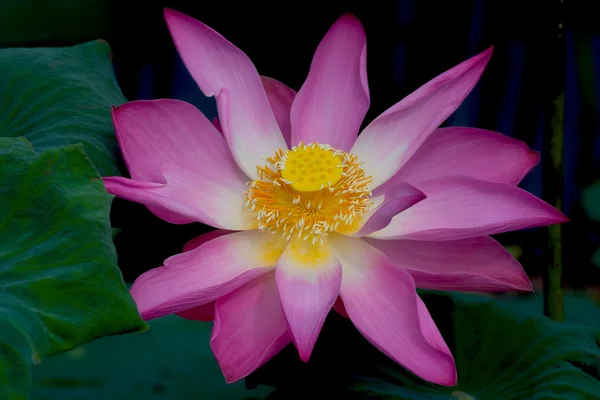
(553,171)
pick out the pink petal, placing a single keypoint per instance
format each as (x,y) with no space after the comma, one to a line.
(388,142)
(480,154)
(459,207)
(393,202)
(280,98)
(187,197)
(205,312)
(249,328)
(201,239)
(157,132)
(308,287)
(219,67)
(334,99)
(383,305)
(206,273)
(431,332)
(477,264)
(338,306)
(217,124)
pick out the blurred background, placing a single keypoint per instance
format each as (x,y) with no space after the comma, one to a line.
(545,51)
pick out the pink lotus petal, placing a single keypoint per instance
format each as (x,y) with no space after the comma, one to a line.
(155,197)
(217,124)
(388,142)
(206,273)
(280,98)
(308,287)
(187,197)
(218,66)
(383,305)
(388,205)
(205,237)
(431,333)
(338,306)
(480,154)
(333,101)
(155,132)
(477,264)
(204,313)
(249,328)
(459,207)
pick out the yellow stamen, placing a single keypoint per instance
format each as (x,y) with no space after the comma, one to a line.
(311,168)
(309,191)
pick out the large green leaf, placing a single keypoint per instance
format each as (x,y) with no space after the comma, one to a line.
(501,354)
(59,282)
(61,96)
(170,361)
(590,200)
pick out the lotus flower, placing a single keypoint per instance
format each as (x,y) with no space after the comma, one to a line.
(311,217)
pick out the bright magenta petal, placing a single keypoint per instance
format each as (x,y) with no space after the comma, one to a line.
(480,154)
(308,278)
(338,306)
(217,124)
(388,142)
(201,239)
(188,197)
(381,301)
(460,207)
(171,132)
(219,67)
(334,99)
(280,98)
(432,334)
(205,313)
(151,133)
(388,205)
(206,273)
(249,328)
(478,264)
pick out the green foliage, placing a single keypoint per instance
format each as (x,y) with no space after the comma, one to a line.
(59,282)
(501,353)
(590,200)
(61,96)
(172,360)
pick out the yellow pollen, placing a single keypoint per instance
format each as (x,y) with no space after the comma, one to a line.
(307,168)
(309,191)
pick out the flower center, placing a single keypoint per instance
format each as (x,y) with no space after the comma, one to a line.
(309,191)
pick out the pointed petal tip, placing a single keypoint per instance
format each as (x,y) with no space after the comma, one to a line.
(167,11)
(535,156)
(486,54)
(349,19)
(560,217)
(449,381)
(304,355)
